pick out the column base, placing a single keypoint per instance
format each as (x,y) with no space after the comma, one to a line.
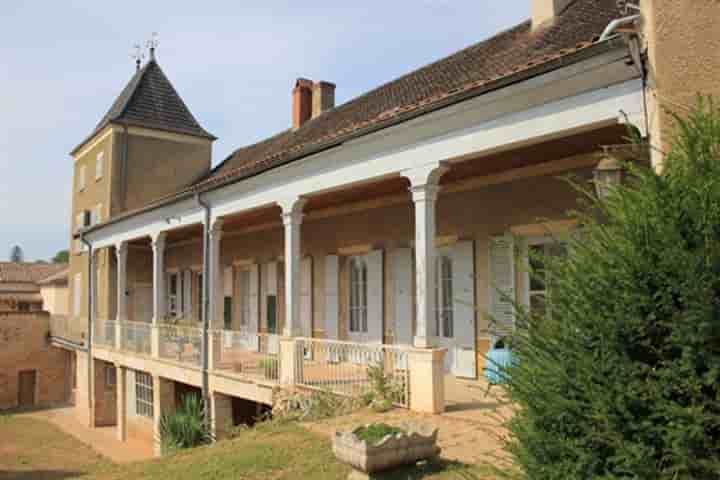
(427,380)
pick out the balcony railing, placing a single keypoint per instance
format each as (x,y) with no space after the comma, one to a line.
(104,333)
(136,337)
(254,355)
(180,343)
(353,369)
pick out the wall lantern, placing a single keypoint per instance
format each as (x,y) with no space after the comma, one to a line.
(609,172)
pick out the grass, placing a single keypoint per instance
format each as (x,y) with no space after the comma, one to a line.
(37,450)
(34,449)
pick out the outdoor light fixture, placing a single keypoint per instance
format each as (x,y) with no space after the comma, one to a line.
(609,172)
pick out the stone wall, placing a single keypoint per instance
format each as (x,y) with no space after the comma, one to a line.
(24,346)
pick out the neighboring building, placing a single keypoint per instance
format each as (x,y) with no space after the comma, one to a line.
(54,292)
(20,287)
(388,229)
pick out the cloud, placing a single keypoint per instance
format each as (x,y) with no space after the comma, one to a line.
(234,64)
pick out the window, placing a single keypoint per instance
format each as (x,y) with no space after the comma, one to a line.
(200,297)
(444,296)
(81,178)
(358,295)
(99,165)
(174,295)
(244,298)
(110,376)
(23,307)
(143,394)
(96,215)
(539,251)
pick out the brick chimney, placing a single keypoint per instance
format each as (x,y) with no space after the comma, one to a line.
(545,11)
(302,102)
(323,97)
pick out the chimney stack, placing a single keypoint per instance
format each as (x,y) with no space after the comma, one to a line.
(323,97)
(302,102)
(545,11)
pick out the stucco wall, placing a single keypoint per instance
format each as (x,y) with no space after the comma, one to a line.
(683,41)
(55,299)
(24,346)
(157,167)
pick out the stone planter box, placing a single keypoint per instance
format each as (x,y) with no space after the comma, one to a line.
(418,442)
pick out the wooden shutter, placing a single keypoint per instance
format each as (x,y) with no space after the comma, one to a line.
(375,296)
(332,277)
(306,304)
(403,295)
(254,295)
(502,285)
(463,279)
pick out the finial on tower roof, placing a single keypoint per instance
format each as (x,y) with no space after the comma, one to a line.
(152,45)
(138,55)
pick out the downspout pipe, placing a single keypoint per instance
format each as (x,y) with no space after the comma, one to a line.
(91,321)
(612,26)
(205,308)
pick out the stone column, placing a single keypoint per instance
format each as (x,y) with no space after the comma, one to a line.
(221,414)
(424,188)
(163,404)
(121,252)
(292,220)
(215,311)
(121,401)
(159,293)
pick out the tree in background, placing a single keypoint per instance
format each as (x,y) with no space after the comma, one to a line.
(16,254)
(63,256)
(621,379)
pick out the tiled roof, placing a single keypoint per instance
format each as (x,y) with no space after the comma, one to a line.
(149,100)
(504,54)
(60,277)
(28,272)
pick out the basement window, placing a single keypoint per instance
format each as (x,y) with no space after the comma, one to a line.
(144,394)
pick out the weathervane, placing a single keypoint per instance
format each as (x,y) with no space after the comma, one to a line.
(137,55)
(152,45)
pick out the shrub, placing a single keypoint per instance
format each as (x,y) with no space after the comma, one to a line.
(622,378)
(384,389)
(185,427)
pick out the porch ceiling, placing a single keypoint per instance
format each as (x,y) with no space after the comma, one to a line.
(578,144)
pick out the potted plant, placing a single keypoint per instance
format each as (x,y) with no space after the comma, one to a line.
(378,447)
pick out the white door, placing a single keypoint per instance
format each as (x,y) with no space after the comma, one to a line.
(306,303)
(366,297)
(402,288)
(455,308)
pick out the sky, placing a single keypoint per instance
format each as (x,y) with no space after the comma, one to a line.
(63,63)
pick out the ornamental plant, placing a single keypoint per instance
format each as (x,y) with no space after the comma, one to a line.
(620,379)
(185,427)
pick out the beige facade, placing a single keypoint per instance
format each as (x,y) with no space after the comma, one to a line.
(32,372)
(55,298)
(683,41)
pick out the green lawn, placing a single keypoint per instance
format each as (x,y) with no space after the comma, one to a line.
(34,449)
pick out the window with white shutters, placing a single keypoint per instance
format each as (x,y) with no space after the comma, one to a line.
(444,296)
(144,394)
(99,165)
(244,278)
(358,295)
(539,250)
(502,284)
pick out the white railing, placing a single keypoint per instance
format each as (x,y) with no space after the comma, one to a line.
(248,354)
(180,343)
(104,333)
(136,337)
(354,369)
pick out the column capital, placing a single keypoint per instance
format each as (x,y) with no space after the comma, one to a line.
(158,239)
(216,228)
(121,249)
(292,209)
(424,193)
(428,174)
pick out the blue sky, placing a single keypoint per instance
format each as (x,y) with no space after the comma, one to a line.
(233,62)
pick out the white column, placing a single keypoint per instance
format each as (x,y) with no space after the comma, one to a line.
(292,220)
(121,252)
(215,313)
(158,248)
(424,188)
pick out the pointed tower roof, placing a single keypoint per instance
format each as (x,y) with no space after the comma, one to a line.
(149,100)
